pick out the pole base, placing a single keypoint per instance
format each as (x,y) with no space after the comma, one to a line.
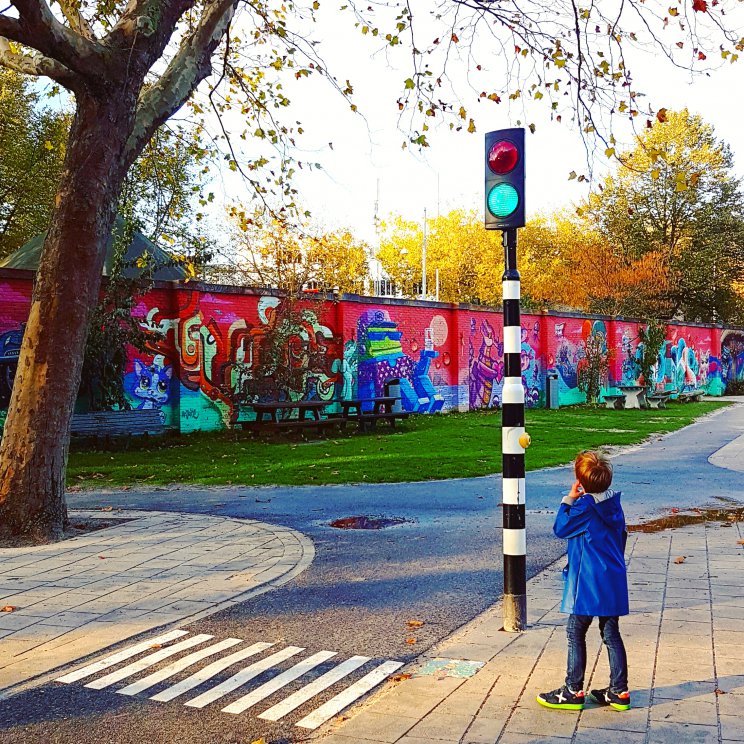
(515,612)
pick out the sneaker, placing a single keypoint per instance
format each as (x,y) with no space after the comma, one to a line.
(562,698)
(616,700)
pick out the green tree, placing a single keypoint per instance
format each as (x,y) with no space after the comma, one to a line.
(132,65)
(674,195)
(32,148)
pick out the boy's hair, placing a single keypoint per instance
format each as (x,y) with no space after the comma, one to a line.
(593,471)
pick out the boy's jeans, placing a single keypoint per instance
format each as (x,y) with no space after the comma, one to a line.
(609,627)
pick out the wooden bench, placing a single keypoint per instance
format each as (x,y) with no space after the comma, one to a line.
(614,401)
(373,418)
(102,424)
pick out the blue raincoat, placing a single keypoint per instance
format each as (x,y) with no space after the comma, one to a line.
(595,580)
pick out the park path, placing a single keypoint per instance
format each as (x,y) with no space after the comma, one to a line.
(685,646)
(69,599)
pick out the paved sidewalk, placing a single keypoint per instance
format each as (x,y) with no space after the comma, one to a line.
(685,642)
(78,596)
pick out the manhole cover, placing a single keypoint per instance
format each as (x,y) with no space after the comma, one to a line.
(367,522)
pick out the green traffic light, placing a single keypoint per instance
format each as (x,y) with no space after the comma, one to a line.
(503,200)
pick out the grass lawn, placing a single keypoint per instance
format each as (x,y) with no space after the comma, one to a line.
(421,448)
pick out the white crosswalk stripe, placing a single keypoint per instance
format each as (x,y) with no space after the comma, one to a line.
(214,686)
(349,695)
(277,683)
(177,666)
(123,655)
(209,671)
(243,676)
(311,690)
(148,661)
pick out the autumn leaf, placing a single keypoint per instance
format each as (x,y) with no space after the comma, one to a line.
(456,39)
(471,127)
(414,623)
(661,115)
(156,646)
(673,12)
(718,691)
(259,741)
(702,56)
(740,542)
(410,641)
(680,559)
(699,6)
(8,608)
(401,677)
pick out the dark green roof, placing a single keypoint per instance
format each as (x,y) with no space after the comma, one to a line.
(27,256)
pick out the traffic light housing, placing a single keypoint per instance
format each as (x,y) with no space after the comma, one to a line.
(504,168)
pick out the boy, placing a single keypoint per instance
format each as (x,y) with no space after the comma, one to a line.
(595,582)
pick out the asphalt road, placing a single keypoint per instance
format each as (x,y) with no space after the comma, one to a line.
(442,567)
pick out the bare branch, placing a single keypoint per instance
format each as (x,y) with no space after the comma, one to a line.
(191,64)
(37,65)
(37,28)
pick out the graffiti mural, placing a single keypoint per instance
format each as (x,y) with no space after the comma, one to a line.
(382,363)
(486,366)
(732,357)
(10,349)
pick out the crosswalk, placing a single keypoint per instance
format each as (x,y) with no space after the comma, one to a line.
(268,668)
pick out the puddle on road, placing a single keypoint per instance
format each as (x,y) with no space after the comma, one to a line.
(724,516)
(365,522)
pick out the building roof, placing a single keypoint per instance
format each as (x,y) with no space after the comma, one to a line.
(27,256)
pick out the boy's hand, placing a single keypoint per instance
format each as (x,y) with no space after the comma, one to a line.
(576,490)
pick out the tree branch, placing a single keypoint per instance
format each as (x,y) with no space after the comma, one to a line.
(37,65)
(37,28)
(191,64)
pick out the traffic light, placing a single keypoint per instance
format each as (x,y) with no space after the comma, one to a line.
(505,179)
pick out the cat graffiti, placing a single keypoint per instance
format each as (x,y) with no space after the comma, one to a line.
(153,383)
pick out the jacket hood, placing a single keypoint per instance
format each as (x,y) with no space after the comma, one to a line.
(608,507)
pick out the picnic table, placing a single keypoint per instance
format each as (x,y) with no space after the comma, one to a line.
(370,410)
(634,395)
(280,415)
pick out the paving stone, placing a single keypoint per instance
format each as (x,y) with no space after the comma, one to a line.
(676,733)
(378,726)
(441,727)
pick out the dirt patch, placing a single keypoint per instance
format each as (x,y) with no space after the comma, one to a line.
(723,516)
(77,526)
(367,523)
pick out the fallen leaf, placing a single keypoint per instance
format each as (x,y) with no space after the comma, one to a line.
(674,510)
(719,692)
(680,559)
(8,608)
(401,677)
(740,542)
(102,557)
(410,641)
(259,741)
(156,646)
(106,508)
(414,623)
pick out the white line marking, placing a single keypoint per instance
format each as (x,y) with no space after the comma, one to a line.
(314,688)
(122,655)
(177,666)
(148,661)
(349,695)
(209,671)
(243,676)
(270,687)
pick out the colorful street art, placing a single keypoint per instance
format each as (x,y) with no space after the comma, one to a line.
(732,356)
(486,367)
(383,364)
(210,353)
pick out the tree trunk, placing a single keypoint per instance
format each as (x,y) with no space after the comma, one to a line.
(33,455)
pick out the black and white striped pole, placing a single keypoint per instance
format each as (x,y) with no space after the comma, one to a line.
(505,212)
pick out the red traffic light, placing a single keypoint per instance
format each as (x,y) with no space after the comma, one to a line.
(503,157)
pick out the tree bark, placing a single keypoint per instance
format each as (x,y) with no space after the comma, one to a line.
(33,454)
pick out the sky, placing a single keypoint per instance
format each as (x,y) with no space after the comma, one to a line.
(367,160)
